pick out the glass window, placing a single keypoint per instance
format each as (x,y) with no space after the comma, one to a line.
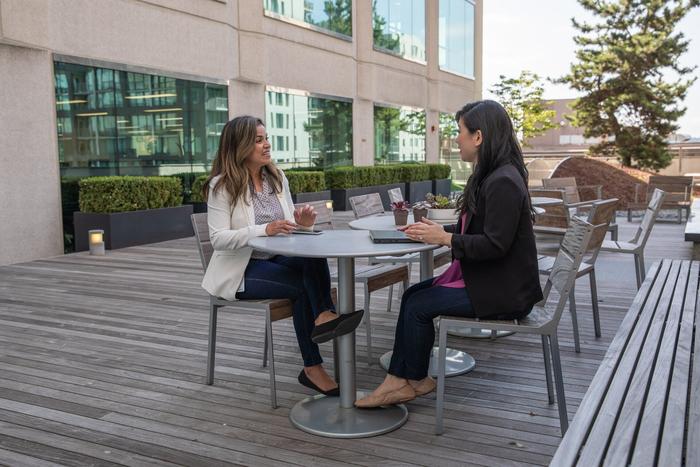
(456,36)
(399,27)
(317,131)
(398,133)
(112,122)
(449,151)
(333,15)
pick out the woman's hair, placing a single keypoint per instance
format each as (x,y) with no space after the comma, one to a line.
(499,146)
(236,144)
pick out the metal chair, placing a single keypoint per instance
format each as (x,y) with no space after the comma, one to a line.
(275,310)
(372,278)
(542,320)
(600,215)
(639,241)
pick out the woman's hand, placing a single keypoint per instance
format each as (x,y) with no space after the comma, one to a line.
(280,227)
(305,216)
(428,231)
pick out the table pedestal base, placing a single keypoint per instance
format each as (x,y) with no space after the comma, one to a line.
(457,362)
(475,333)
(323,416)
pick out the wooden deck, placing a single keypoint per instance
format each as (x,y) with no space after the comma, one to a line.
(102,362)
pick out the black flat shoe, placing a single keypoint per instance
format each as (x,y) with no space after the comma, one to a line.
(305,381)
(340,326)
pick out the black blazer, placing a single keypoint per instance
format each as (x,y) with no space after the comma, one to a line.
(497,253)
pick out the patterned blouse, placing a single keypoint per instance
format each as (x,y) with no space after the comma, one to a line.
(267,208)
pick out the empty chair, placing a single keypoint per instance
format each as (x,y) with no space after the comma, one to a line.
(678,191)
(600,215)
(542,320)
(639,241)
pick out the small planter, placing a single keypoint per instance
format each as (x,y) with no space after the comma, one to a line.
(123,229)
(442,214)
(442,187)
(416,191)
(419,214)
(341,197)
(400,217)
(312,196)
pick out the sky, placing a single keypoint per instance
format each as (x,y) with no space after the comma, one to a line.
(539,38)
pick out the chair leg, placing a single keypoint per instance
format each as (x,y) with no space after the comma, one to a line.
(391,297)
(442,356)
(336,366)
(410,266)
(211,350)
(265,350)
(642,269)
(639,268)
(680,215)
(270,351)
(629,215)
(574,317)
(368,326)
(559,383)
(594,302)
(548,368)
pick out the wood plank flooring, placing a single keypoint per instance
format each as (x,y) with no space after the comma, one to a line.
(102,362)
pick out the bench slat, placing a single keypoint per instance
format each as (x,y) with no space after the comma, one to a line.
(623,403)
(671,445)
(693,446)
(651,382)
(578,431)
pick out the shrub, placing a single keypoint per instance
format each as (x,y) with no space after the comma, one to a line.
(196,195)
(305,181)
(188,179)
(439,171)
(119,194)
(340,178)
(351,177)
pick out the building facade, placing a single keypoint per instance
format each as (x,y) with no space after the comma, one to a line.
(143,87)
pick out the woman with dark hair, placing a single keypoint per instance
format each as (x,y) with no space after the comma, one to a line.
(494,270)
(248,196)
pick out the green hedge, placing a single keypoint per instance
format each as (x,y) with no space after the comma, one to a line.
(196,195)
(188,179)
(350,177)
(119,194)
(305,181)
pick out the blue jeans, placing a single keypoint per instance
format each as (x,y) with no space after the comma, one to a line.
(415,332)
(305,281)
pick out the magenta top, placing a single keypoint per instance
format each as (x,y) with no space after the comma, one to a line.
(452,277)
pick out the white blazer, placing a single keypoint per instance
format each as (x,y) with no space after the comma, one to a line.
(230,229)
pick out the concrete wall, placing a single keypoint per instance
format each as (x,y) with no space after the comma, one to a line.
(223,41)
(30,198)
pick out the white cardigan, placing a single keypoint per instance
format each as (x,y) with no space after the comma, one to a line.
(230,229)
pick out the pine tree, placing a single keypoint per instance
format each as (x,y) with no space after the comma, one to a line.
(628,69)
(522,99)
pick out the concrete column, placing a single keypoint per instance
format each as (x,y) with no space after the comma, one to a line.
(363,132)
(30,218)
(246,98)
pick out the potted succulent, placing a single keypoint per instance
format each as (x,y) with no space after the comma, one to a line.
(442,208)
(400,209)
(420,210)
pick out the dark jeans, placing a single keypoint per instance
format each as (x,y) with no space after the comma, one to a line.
(415,332)
(305,281)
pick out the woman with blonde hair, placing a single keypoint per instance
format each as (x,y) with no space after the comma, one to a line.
(248,196)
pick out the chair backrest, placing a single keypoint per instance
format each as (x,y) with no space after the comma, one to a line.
(566,264)
(201,234)
(553,216)
(366,205)
(650,215)
(600,216)
(677,188)
(568,184)
(324,213)
(395,195)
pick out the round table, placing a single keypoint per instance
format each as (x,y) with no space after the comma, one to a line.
(457,362)
(330,416)
(545,201)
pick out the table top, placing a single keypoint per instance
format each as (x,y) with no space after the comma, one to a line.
(334,244)
(545,201)
(385,221)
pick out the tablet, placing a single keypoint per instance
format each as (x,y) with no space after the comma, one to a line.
(307,232)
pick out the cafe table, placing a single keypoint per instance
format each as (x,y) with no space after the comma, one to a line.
(337,417)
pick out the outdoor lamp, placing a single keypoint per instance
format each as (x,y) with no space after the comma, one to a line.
(329,204)
(96,241)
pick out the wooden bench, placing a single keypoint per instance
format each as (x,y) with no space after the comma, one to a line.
(692,228)
(643,405)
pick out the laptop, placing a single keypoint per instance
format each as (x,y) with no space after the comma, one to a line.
(390,236)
